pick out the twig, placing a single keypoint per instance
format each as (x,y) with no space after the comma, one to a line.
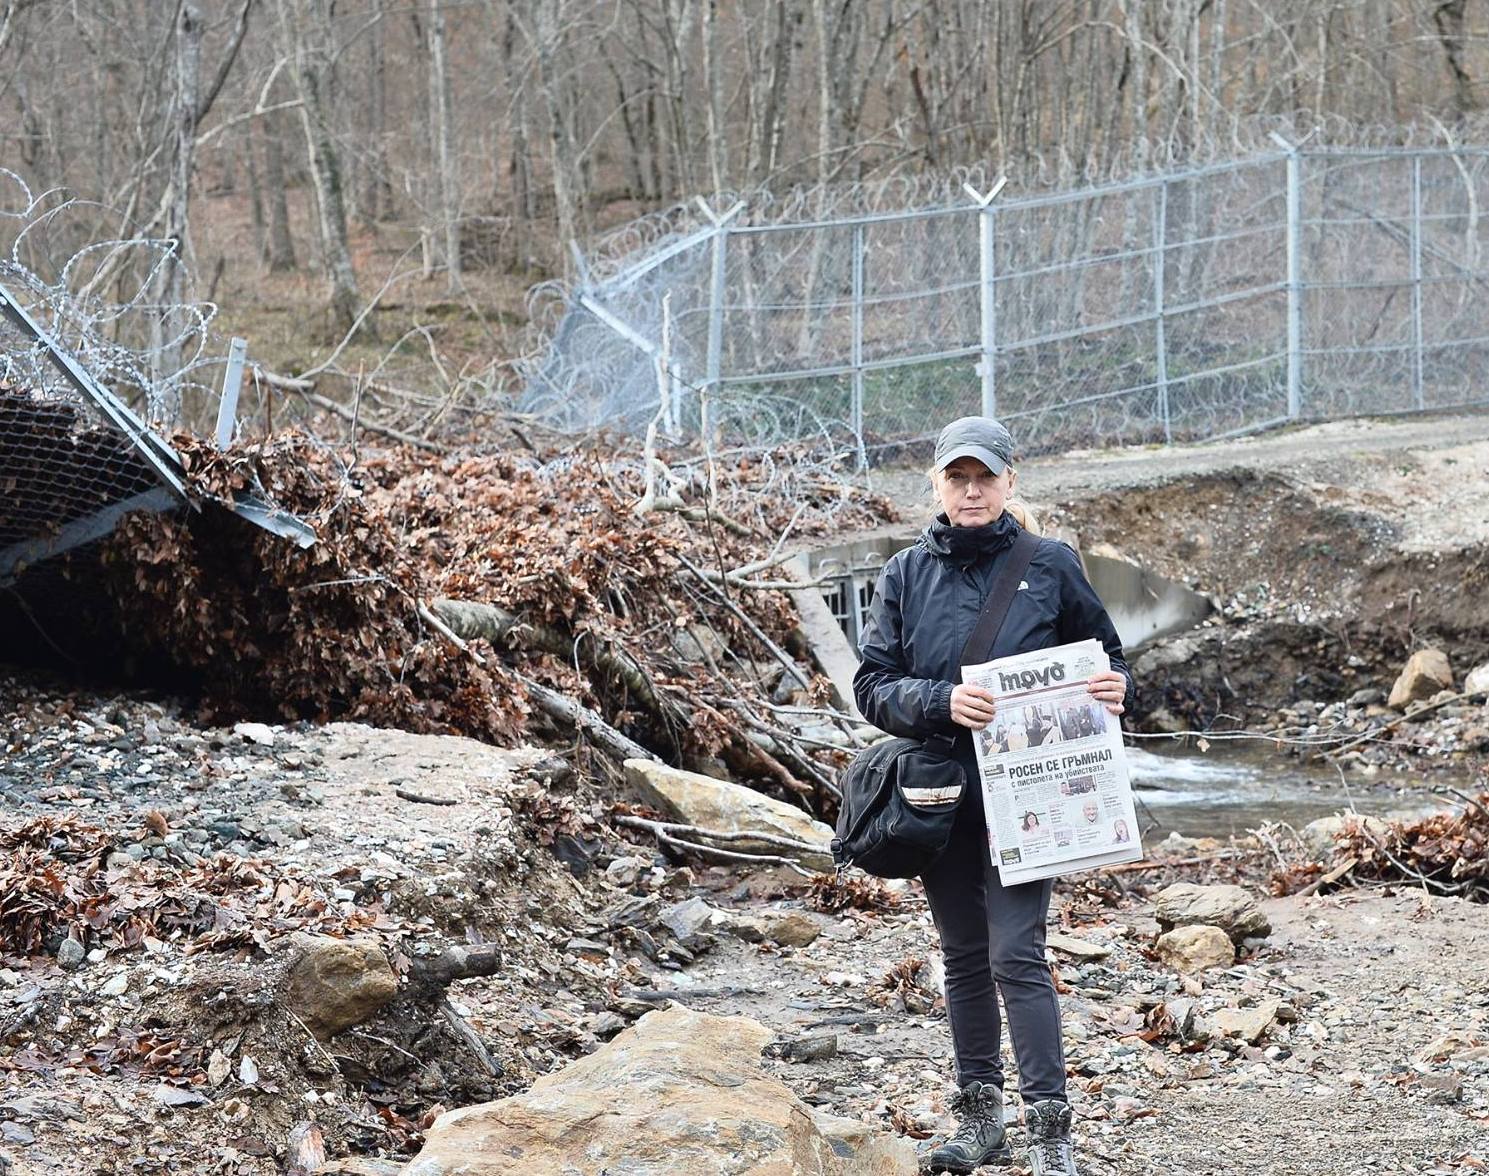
(634,822)
(420,798)
(654,995)
(759,634)
(1203,859)
(393,1045)
(577,715)
(447,633)
(312,1038)
(553,703)
(469,1037)
(1465,798)
(1328,879)
(347,414)
(1427,883)
(730,856)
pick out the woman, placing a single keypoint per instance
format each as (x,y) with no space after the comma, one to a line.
(908,683)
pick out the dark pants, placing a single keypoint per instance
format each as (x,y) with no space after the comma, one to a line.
(994,935)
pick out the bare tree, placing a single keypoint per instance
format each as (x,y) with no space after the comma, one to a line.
(311,40)
(446,169)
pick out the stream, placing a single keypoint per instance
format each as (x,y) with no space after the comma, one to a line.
(1236,787)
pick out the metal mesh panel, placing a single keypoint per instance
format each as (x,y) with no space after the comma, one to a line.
(1202,302)
(67,471)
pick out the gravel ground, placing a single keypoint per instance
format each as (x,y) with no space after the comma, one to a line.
(1352,1083)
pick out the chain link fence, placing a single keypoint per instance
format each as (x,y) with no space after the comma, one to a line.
(1290,284)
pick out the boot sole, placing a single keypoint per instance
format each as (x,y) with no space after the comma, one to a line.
(1001,1159)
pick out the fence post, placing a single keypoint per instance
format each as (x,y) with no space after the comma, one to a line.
(232,382)
(857,408)
(714,363)
(1416,281)
(987,366)
(1294,277)
(1160,238)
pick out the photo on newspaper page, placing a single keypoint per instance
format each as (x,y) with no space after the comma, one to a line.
(1054,774)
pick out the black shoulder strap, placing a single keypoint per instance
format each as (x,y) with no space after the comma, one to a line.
(980,644)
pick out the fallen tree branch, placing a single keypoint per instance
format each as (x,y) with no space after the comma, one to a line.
(347,414)
(655,995)
(752,756)
(729,855)
(420,798)
(575,714)
(444,630)
(457,962)
(774,839)
(758,633)
(740,577)
(306,388)
(1203,859)
(469,1037)
(469,620)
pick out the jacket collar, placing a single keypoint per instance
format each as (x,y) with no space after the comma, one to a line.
(968,545)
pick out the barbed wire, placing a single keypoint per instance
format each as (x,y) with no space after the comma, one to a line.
(98,297)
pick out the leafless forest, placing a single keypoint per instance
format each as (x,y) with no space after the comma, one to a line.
(488,133)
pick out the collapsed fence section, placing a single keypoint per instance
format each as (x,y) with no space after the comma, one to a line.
(1293,284)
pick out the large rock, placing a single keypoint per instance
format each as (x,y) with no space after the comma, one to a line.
(1477,681)
(787,928)
(1194,948)
(678,1092)
(1426,672)
(1230,908)
(731,808)
(333,984)
(1319,836)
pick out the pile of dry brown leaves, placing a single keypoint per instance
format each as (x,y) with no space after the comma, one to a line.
(56,879)
(1446,852)
(600,592)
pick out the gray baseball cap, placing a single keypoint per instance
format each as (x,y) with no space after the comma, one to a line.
(975,436)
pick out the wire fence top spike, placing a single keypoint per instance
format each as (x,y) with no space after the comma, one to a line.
(992,193)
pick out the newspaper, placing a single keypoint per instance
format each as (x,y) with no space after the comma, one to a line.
(1054,775)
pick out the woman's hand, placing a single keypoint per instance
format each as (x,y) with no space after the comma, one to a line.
(972,706)
(1108,688)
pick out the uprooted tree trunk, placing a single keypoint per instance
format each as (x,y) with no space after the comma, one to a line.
(471,620)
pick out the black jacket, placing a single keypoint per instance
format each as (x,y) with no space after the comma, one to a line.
(927,602)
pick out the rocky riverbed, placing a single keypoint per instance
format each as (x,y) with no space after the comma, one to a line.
(239,947)
(1352,1037)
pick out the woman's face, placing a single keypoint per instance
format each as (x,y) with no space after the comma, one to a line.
(971,494)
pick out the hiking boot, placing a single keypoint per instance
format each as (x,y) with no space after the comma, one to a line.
(979,1138)
(1048,1124)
